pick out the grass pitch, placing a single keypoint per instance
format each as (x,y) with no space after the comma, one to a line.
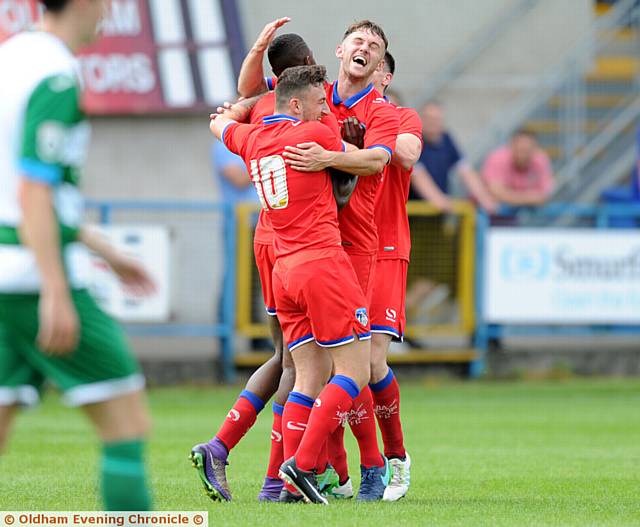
(529,453)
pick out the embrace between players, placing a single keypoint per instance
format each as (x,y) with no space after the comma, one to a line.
(331,165)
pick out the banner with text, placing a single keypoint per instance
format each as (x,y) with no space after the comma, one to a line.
(562,276)
(152,56)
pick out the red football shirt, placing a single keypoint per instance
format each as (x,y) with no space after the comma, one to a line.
(301,205)
(394,239)
(264,108)
(357,222)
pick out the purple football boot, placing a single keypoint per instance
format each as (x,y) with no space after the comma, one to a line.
(210,460)
(271,489)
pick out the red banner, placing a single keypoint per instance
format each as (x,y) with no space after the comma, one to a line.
(120,71)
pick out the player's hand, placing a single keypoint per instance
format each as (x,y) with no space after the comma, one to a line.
(267,34)
(353,132)
(59,327)
(307,157)
(134,277)
(490,205)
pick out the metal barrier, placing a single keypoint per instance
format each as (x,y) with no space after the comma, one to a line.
(596,218)
(224,327)
(454,252)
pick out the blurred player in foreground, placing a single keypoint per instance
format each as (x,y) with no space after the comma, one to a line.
(50,327)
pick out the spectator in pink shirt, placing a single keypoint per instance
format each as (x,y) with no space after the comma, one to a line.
(519,174)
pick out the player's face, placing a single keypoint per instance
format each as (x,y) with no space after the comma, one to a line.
(361,53)
(381,79)
(313,104)
(432,122)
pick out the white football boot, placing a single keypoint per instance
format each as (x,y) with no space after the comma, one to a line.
(400,479)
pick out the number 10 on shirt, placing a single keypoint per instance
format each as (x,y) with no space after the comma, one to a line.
(269,175)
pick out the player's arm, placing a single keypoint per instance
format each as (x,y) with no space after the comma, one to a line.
(311,157)
(251,77)
(407,151)
(218,124)
(423,184)
(131,273)
(239,111)
(51,115)
(39,230)
(343,186)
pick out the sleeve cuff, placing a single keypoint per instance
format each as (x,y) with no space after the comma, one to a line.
(385,148)
(269,82)
(224,131)
(38,171)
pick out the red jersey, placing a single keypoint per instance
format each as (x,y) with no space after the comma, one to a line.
(264,108)
(394,240)
(357,223)
(301,205)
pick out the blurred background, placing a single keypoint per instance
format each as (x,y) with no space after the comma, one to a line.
(524,207)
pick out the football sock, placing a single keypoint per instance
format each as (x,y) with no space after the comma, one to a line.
(123,479)
(294,423)
(337,453)
(240,419)
(334,401)
(363,426)
(323,458)
(386,396)
(276,457)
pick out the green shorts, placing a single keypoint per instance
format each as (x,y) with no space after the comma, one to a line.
(101,368)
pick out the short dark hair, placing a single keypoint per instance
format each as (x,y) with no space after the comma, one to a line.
(524,132)
(286,51)
(389,62)
(55,6)
(367,25)
(295,80)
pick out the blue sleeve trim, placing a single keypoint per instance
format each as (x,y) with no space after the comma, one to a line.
(385,148)
(269,82)
(301,399)
(277,408)
(344,146)
(39,171)
(381,385)
(255,401)
(347,384)
(224,131)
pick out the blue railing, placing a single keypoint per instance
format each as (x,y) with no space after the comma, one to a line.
(224,328)
(602,216)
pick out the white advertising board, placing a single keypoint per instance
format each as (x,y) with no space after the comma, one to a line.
(150,245)
(562,276)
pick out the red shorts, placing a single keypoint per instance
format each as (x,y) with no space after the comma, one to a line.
(365,267)
(388,305)
(318,298)
(265,260)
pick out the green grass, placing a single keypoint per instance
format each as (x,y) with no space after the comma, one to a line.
(529,453)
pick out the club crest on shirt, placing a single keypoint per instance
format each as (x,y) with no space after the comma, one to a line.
(361,316)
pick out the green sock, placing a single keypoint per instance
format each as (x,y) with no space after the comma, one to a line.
(124,486)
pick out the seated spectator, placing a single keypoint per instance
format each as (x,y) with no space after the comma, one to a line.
(519,174)
(440,158)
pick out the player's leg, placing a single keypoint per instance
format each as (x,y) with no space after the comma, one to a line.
(272,485)
(97,375)
(334,303)
(361,418)
(7,413)
(387,324)
(210,458)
